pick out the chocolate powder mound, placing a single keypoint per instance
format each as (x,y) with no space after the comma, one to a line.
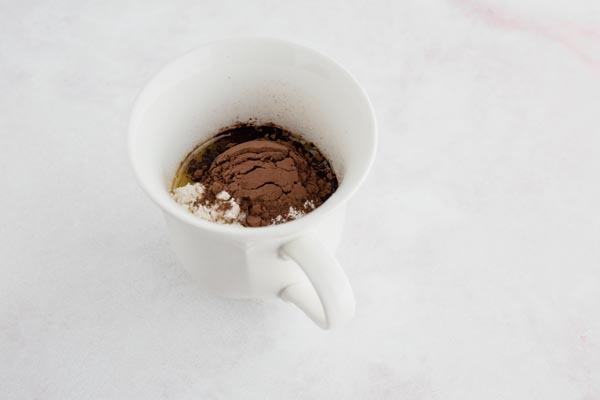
(266,175)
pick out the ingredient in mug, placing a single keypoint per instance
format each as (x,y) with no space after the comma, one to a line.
(259,175)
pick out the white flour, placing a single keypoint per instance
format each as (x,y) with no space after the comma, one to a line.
(293,213)
(224,210)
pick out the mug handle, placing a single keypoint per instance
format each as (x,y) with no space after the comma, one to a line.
(327,298)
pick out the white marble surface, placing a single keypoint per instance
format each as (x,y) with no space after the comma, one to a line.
(474,248)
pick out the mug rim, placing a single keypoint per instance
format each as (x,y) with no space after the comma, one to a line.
(279,230)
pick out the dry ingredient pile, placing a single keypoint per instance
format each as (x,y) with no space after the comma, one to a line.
(254,176)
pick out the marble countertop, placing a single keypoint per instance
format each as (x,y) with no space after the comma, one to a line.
(473,248)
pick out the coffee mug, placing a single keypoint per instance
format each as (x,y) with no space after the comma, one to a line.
(259,80)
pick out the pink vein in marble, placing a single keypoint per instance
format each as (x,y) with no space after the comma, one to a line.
(581,40)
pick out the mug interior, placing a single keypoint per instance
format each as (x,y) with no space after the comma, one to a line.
(260,80)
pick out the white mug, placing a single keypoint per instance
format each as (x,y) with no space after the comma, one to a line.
(263,80)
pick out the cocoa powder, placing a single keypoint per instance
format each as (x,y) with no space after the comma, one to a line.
(272,174)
